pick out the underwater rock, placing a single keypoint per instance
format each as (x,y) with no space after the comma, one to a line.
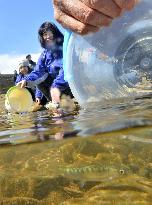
(11,186)
(73,190)
(146,172)
(65,150)
(88,147)
(57,197)
(43,186)
(20,201)
(112,194)
(7,157)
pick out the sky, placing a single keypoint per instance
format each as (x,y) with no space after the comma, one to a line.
(19,24)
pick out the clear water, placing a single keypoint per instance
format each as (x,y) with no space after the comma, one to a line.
(100,155)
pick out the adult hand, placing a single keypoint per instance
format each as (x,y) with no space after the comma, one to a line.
(84,16)
(21,84)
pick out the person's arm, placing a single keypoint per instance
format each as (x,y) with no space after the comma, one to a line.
(19,78)
(33,63)
(38,96)
(39,71)
(84,16)
(58,85)
(59,81)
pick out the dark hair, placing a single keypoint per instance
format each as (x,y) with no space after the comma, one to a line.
(56,33)
(28,56)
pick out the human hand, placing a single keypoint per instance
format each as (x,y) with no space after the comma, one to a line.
(38,101)
(84,16)
(54,108)
(21,84)
(55,95)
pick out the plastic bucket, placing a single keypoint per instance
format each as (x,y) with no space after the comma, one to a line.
(18,100)
(114,62)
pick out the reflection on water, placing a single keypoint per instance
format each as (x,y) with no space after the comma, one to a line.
(106,157)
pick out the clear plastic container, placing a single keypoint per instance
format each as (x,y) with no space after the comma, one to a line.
(114,62)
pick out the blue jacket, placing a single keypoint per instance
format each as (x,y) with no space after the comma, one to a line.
(19,78)
(50,62)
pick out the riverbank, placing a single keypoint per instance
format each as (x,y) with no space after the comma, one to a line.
(6,81)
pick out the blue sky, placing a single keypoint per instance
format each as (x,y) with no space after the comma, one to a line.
(19,24)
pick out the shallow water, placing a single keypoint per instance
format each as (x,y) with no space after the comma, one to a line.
(101,155)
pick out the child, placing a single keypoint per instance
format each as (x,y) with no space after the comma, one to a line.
(48,74)
(24,71)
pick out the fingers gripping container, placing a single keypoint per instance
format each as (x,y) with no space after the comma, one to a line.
(114,62)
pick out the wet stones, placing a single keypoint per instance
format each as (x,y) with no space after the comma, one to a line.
(11,186)
(20,201)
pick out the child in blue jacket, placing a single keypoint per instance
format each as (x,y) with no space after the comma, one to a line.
(48,74)
(24,70)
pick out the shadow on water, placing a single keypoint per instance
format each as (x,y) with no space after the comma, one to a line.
(105,158)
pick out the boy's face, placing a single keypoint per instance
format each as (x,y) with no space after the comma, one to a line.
(24,70)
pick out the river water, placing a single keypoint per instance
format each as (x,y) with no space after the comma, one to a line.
(98,155)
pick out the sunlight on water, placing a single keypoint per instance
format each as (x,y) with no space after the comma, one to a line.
(100,156)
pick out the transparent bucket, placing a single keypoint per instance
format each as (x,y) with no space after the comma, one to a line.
(114,62)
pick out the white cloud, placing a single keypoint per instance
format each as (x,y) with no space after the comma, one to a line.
(9,63)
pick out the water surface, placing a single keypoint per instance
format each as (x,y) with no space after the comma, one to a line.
(99,155)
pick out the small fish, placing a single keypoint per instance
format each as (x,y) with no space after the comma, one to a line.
(92,173)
